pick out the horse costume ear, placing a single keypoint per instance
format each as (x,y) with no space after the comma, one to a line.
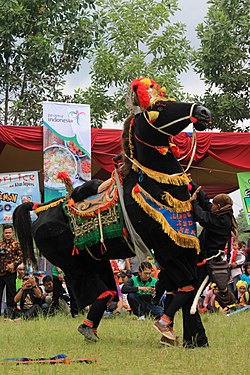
(152,116)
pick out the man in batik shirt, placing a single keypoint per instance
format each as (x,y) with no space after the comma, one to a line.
(10,258)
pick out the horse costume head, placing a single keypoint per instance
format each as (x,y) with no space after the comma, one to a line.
(147,93)
(148,134)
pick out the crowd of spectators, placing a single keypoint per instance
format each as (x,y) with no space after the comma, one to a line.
(136,286)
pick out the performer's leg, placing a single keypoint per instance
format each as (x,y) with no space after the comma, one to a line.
(165,324)
(57,287)
(73,304)
(193,331)
(90,324)
(167,303)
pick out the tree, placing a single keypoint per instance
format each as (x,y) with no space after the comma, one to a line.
(139,40)
(40,42)
(242,226)
(223,62)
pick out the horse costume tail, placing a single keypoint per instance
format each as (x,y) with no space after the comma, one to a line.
(22,225)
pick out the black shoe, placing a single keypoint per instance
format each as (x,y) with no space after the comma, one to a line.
(87,332)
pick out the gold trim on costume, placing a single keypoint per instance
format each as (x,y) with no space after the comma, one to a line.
(50,205)
(163,178)
(180,239)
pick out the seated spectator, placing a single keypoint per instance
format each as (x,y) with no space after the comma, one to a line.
(225,301)
(140,290)
(246,275)
(19,276)
(155,268)
(209,300)
(240,293)
(29,296)
(124,277)
(48,298)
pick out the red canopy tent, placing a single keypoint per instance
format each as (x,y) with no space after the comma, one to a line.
(218,156)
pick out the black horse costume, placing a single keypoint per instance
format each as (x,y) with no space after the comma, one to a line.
(157,201)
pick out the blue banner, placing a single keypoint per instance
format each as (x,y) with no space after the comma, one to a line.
(17,188)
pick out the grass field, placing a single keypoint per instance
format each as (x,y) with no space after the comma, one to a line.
(126,347)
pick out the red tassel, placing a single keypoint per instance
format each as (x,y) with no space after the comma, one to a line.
(193,119)
(125,233)
(63,176)
(202,263)
(175,150)
(71,202)
(35,206)
(136,189)
(75,251)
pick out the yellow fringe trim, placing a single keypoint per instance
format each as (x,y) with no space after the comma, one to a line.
(163,178)
(176,204)
(179,239)
(50,205)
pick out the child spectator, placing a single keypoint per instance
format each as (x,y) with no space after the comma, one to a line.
(237,259)
(124,277)
(246,275)
(243,247)
(209,300)
(240,293)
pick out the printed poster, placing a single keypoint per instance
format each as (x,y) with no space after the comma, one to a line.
(67,146)
(17,188)
(244,185)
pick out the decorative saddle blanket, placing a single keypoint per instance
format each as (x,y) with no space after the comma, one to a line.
(95,219)
(177,222)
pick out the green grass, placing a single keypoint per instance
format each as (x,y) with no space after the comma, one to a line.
(126,347)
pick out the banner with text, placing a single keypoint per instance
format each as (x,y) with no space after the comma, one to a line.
(244,185)
(17,188)
(67,146)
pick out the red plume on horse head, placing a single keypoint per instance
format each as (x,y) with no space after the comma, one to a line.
(146,90)
(64,177)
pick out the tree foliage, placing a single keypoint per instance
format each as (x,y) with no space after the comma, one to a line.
(242,226)
(139,40)
(40,42)
(223,62)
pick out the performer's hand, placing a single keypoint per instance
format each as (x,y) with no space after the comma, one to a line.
(104,185)
(194,196)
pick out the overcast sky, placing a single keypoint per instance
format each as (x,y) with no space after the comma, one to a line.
(191,14)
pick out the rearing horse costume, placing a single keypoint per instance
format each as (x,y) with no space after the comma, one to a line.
(158,200)
(156,197)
